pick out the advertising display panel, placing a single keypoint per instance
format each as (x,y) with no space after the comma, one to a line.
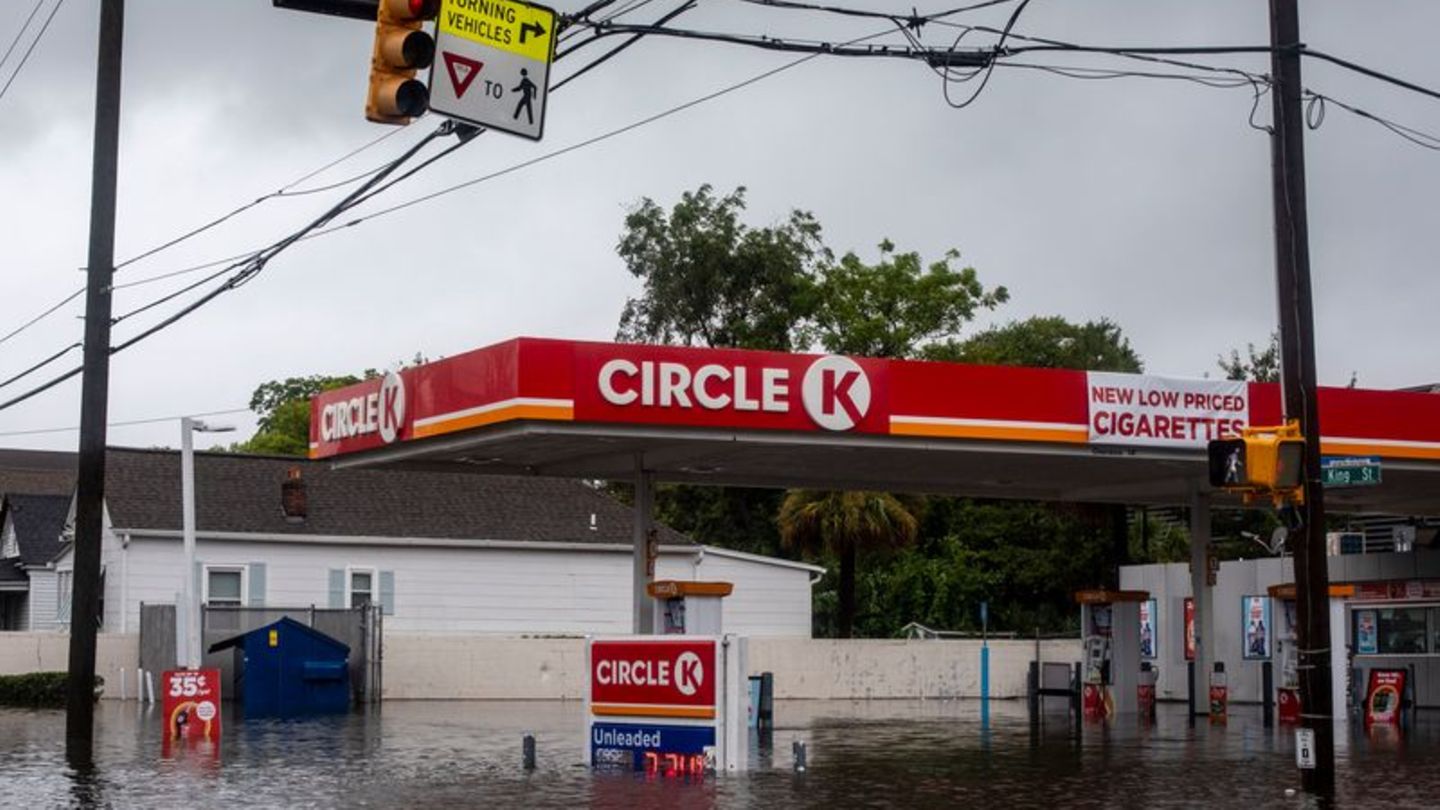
(190,706)
(1256,627)
(1149,637)
(1384,695)
(1189,629)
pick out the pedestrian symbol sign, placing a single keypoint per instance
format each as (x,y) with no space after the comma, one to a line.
(494,65)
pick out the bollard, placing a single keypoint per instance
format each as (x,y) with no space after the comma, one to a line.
(766,718)
(527,747)
(1267,684)
(797,748)
(1032,689)
(1190,689)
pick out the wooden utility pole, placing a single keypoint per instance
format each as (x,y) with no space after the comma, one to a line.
(94,393)
(1297,380)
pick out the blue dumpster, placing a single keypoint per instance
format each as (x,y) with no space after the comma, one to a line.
(286,669)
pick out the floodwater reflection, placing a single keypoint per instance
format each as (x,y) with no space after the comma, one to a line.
(876,754)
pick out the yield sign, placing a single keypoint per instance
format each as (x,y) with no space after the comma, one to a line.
(462,70)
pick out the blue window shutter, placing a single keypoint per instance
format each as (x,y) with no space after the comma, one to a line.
(387,593)
(337,588)
(257,585)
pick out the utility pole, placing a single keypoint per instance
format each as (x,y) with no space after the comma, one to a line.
(94,392)
(1297,380)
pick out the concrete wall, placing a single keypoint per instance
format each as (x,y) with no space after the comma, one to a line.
(460,589)
(50,652)
(491,668)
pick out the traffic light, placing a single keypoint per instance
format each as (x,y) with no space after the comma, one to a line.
(1263,460)
(401,48)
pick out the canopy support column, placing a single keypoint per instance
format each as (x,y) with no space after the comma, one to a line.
(1203,597)
(646,548)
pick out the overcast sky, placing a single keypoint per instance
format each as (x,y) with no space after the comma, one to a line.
(1143,201)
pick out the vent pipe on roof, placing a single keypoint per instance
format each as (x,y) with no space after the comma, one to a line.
(293,501)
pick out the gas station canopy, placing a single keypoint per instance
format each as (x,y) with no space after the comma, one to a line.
(574,409)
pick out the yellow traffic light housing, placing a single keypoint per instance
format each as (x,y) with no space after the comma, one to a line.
(401,48)
(1262,461)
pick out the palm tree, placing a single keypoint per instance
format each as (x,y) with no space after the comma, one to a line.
(843,523)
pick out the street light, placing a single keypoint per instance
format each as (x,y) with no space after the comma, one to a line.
(188,643)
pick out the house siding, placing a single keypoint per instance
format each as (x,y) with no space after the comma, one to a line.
(472,590)
(43,598)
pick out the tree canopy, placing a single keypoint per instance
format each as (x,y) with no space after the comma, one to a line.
(284,410)
(711,280)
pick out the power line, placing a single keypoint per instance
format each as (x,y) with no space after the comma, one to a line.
(129,423)
(19,35)
(1371,72)
(256,263)
(283,191)
(36,41)
(1316,115)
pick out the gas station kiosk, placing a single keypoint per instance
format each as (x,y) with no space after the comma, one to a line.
(688,608)
(1110,634)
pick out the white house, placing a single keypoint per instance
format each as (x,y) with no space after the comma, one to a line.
(441,552)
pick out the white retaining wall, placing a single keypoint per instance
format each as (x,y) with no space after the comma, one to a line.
(21,653)
(491,668)
(476,667)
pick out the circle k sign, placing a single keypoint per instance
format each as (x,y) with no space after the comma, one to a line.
(836,392)
(392,407)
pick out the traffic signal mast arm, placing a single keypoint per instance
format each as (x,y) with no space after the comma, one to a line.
(1263,461)
(401,48)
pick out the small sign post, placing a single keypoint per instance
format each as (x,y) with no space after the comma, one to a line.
(1305,748)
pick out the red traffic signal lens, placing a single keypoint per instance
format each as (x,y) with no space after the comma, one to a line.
(407,10)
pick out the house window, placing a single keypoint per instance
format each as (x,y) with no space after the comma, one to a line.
(225,586)
(362,587)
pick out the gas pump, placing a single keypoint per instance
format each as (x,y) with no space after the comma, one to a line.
(1110,631)
(687,608)
(1287,684)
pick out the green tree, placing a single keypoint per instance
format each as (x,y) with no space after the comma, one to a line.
(1045,342)
(897,306)
(1256,366)
(711,280)
(843,524)
(284,410)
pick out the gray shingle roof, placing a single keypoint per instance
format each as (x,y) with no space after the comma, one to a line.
(241,493)
(38,520)
(36,472)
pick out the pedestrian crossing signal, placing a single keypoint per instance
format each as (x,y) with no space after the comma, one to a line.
(1269,460)
(401,48)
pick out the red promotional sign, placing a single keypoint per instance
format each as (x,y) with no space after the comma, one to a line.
(1383,696)
(729,388)
(190,708)
(653,677)
(1189,629)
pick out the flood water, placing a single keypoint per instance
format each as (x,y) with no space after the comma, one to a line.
(861,754)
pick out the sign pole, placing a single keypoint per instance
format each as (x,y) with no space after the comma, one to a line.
(1298,385)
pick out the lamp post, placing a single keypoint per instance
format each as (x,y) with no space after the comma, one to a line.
(189,641)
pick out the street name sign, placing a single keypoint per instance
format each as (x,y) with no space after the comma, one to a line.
(1350,471)
(494,61)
